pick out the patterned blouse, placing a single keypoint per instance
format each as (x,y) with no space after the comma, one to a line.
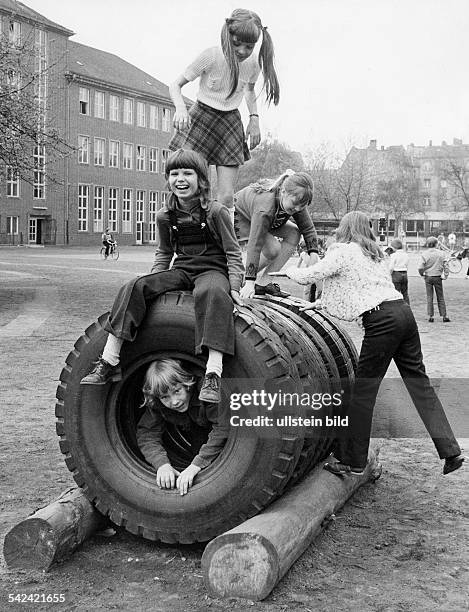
(353,282)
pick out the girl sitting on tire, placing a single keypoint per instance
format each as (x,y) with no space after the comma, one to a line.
(208,263)
(170,394)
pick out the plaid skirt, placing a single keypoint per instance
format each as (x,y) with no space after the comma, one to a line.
(217,135)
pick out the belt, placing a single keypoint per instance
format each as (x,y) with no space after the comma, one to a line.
(384,304)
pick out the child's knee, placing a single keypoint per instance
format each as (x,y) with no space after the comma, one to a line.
(226,198)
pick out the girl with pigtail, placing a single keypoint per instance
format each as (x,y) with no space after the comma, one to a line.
(227,73)
(266,211)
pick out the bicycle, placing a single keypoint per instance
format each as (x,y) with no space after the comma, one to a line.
(453,259)
(113,252)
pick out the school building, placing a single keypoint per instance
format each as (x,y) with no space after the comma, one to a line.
(119,121)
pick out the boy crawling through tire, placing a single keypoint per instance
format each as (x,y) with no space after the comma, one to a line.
(171,396)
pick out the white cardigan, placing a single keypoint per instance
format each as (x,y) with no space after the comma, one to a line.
(353,282)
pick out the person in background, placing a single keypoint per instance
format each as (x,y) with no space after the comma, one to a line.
(108,241)
(398,265)
(434,269)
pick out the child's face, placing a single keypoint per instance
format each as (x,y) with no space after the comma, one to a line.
(242,49)
(183,182)
(290,203)
(176,398)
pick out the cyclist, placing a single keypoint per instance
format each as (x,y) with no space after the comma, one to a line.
(108,241)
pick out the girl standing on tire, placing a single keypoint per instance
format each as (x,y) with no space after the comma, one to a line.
(266,211)
(357,283)
(227,73)
(208,263)
(170,394)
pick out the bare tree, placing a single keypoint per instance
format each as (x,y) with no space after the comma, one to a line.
(456,173)
(28,143)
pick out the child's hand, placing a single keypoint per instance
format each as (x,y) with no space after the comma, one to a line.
(237,299)
(253,132)
(186,477)
(166,476)
(300,275)
(317,305)
(247,290)
(181,119)
(313,259)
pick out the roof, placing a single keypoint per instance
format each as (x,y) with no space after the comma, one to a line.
(18,8)
(109,68)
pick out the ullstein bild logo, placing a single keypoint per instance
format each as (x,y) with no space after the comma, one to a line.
(288,421)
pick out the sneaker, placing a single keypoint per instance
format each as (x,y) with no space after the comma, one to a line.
(340,469)
(210,391)
(270,289)
(431,320)
(453,463)
(102,373)
(446,320)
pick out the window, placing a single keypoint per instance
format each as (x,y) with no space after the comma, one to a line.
(164,197)
(113,108)
(112,208)
(426,201)
(165,153)
(14,33)
(98,209)
(128,111)
(153,117)
(39,182)
(83,200)
(13,183)
(113,153)
(14,80)
(83,150)
(426,183)
(166,120)
(141,155)
(99,110)
(443,184)
(141,114)
(414,226)
(127,211)
(153,164)
(140,206)
(12,226)
(84,95)
(128,154)
(99,151)
(153,207)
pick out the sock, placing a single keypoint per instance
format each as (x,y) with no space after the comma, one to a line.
(112,349)
(214,362)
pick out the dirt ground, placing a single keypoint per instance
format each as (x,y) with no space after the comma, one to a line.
(400,545)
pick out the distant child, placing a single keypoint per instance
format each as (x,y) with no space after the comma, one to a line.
(398,265)
(170,394)
(108,241)
(228,73)
(208,262)
(269,210)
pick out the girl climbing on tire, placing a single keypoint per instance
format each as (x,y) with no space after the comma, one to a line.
(208,263)
(170,394)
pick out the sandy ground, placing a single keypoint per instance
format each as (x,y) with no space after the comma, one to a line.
(399,545)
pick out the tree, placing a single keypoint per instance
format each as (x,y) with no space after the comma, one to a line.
(28,145)
(269,160)
(456,173)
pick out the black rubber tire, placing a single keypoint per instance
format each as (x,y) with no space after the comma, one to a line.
(96,426)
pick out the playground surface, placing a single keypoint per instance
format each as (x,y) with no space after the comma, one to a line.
(399,545)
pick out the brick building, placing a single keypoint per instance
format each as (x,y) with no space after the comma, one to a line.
(117,117)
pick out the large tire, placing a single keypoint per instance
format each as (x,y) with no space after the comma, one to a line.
(97,426)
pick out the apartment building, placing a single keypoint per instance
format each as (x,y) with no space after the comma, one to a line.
(117,118)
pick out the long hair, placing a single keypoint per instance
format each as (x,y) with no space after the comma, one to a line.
(298,184)
(247,27)
(162,375)
(186,158)
(355,227)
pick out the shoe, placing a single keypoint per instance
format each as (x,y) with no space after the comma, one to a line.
(453,463)
(431,320)
(340,469)
(210,391)
(270,289)
(102,373)
(446,320)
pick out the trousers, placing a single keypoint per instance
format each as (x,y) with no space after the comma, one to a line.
(391,333)
(435,283)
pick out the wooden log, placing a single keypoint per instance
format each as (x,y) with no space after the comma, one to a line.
(52,533)
(250,559)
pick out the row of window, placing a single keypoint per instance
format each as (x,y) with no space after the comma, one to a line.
(39,177)
(145,157)
(120,210)
(125,110)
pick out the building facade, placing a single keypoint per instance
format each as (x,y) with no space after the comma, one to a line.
(117,118)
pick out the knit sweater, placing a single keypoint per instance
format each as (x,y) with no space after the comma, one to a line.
(353,282)
(219,224)
(259,210)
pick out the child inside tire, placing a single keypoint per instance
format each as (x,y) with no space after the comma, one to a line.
(171,396)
